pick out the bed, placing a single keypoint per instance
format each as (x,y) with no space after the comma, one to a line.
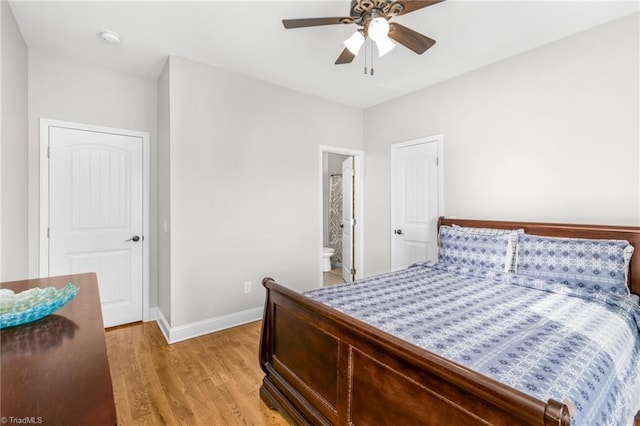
(324,365)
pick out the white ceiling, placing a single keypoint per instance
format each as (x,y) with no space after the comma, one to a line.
(247,37)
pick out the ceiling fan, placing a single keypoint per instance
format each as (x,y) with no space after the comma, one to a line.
(373,16)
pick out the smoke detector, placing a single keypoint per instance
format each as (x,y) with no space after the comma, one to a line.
(110,37)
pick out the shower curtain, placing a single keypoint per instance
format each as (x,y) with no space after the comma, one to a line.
(335,218)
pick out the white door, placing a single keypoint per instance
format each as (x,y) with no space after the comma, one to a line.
(414,204)
(348,222)
(96,215)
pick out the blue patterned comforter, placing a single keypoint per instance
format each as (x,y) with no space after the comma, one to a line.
(542,338)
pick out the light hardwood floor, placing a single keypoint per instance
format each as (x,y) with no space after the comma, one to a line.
(332,277)
(209,380)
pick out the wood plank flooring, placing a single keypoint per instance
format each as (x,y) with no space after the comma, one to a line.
(209,380)
(332,277)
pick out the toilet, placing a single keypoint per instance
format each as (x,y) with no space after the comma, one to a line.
(327,252)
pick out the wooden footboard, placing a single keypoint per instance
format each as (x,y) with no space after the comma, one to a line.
(323,367)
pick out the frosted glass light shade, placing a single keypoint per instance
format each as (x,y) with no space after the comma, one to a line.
(354,43)
(378,29)
(384,45)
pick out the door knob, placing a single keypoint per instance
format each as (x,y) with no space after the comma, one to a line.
(398,231)
(135,239)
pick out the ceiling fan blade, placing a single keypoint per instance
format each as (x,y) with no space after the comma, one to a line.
(409,6)
(311,22)
(345,57)
(411,39)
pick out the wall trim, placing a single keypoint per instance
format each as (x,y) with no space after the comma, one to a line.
(199,328)
(154,314)
(163,324)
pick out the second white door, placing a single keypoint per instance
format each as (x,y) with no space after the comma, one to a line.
(348,221)
(415,206)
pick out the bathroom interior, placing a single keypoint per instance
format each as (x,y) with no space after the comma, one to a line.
(332,218)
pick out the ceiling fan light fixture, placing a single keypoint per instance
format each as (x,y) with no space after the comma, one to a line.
(378,29)
(384,45)
(354,43)
(372,17)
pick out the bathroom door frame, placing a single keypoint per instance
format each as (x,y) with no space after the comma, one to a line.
(358,210)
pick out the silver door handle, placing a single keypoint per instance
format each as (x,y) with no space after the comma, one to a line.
(135,239)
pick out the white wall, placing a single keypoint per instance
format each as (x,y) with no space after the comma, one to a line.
(548,135)
(67,90)
(13,149)
(245,199)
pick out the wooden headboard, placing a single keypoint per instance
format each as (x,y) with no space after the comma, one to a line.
(629,233)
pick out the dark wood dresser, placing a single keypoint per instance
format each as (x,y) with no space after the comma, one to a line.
(55,371)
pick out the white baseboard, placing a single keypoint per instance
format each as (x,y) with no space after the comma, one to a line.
(164,326)
(154,314)
(195,329)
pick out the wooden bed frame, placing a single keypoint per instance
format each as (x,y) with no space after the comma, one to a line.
(324,367)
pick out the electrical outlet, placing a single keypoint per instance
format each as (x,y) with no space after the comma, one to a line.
(247,287)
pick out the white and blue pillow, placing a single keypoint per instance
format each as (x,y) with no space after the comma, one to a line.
(473,247)
(593,265)
(498,231)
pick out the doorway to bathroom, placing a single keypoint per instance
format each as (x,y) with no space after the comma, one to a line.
(342,215)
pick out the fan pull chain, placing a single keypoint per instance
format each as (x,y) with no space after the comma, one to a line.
(365,55)
(372,55)
(368,45)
